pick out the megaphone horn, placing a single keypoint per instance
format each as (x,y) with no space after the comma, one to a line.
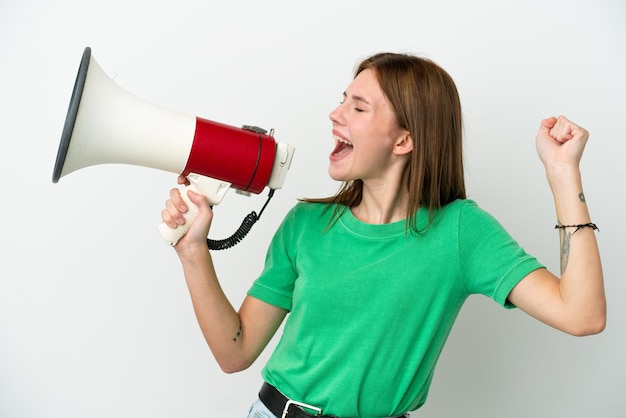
(106,124)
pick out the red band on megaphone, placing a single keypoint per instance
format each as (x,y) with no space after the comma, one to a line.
(238,156)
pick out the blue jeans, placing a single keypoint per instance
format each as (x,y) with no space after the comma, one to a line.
(259,410)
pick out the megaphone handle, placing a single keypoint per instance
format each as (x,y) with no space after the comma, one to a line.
(172,235)
(213,189)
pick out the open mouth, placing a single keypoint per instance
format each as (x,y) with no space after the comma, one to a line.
(342,146)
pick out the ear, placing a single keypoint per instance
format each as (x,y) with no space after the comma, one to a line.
(404,144)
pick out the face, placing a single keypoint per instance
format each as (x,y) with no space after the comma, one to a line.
(368,144)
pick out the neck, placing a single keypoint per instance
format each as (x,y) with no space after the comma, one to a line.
(382,204)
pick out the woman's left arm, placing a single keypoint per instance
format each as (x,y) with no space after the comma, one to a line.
(574,303)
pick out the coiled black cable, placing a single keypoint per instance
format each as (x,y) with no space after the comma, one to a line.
(241,232)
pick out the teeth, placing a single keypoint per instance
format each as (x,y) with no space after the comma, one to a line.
(340,139)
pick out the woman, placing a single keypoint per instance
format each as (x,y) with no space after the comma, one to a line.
(374,277)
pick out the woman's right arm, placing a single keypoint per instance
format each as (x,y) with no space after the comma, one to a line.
(235,338)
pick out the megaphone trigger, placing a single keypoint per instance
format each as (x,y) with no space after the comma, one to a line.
(213,189)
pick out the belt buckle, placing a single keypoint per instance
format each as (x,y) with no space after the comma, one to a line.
(318,411)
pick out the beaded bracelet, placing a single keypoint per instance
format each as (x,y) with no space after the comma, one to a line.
(578,227)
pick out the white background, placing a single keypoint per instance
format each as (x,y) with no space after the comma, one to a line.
(95,319)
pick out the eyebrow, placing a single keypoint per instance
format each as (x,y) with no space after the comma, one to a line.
(357,98)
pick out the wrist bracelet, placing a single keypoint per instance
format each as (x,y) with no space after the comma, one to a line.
(578,227)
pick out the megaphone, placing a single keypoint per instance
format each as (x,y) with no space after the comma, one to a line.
(106,124)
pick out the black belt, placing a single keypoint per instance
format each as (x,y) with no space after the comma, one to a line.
(283,407)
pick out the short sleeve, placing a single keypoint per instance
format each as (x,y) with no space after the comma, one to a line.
(276,283)
(493,263)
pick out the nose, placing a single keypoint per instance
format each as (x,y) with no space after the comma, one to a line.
(336,116)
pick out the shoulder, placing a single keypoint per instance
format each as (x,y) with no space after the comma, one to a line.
(461,206)
(466,211)
(460,211)
(311,210)
(304,214)
(465,219)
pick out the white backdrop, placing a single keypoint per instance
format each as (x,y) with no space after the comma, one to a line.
(95,319)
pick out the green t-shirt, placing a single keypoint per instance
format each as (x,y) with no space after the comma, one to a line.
(371,306)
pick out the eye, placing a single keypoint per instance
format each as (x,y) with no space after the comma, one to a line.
(356,109)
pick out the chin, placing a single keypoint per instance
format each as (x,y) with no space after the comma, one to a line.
(338,173)
(343,179)
(335,175)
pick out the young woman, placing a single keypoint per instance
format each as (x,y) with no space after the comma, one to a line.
(374,277)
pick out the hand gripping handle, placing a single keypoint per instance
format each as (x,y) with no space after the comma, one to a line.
(212,188)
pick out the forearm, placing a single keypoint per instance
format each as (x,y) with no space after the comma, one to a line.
(581,285)
(219,321)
